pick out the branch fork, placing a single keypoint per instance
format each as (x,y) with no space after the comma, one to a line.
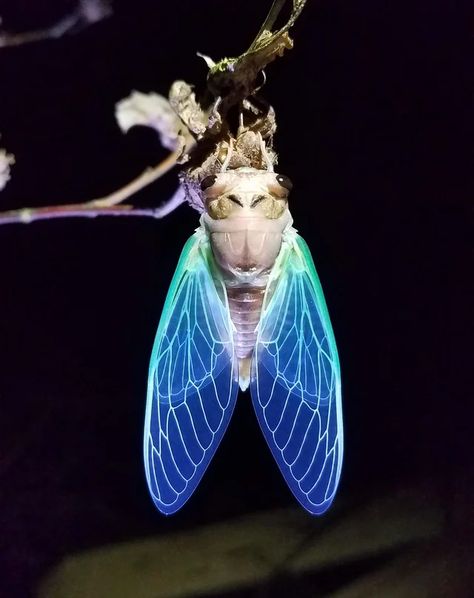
(196,129)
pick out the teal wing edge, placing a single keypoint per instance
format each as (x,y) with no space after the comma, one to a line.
(296,379)
(192,381)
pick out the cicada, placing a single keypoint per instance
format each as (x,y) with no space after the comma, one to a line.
(245,310)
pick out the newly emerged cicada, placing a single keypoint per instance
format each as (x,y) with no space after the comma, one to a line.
(245,309)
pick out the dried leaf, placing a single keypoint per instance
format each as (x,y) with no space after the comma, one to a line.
(150,110)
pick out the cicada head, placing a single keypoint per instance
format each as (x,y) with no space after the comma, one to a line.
(246,193)
(245,190)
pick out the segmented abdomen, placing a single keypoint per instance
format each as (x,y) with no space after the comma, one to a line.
(245,304)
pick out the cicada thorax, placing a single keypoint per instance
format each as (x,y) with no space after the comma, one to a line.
(246,213)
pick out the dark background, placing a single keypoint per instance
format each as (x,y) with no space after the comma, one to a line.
(374,111)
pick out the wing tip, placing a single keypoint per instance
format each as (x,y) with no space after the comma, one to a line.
(315,509)
(167,510)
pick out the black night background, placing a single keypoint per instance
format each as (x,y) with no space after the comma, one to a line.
(374,112)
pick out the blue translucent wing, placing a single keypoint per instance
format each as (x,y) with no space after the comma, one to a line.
(192,384)
(296,383)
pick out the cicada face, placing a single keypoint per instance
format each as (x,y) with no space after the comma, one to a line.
(246,193)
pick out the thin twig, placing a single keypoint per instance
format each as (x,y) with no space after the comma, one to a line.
(27,215)
(103,206)
(147,177)
(86,13)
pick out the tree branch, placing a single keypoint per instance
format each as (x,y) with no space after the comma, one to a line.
(27,215)
(86,13)
(103,206)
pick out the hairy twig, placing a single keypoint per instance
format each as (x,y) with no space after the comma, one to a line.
(236,78)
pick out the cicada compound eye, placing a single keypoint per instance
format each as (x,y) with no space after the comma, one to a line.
(285,182)
(208,182)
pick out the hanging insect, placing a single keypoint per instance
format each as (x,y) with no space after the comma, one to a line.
(245,309)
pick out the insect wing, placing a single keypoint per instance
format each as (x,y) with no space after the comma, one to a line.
(192,383)
(296,383)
